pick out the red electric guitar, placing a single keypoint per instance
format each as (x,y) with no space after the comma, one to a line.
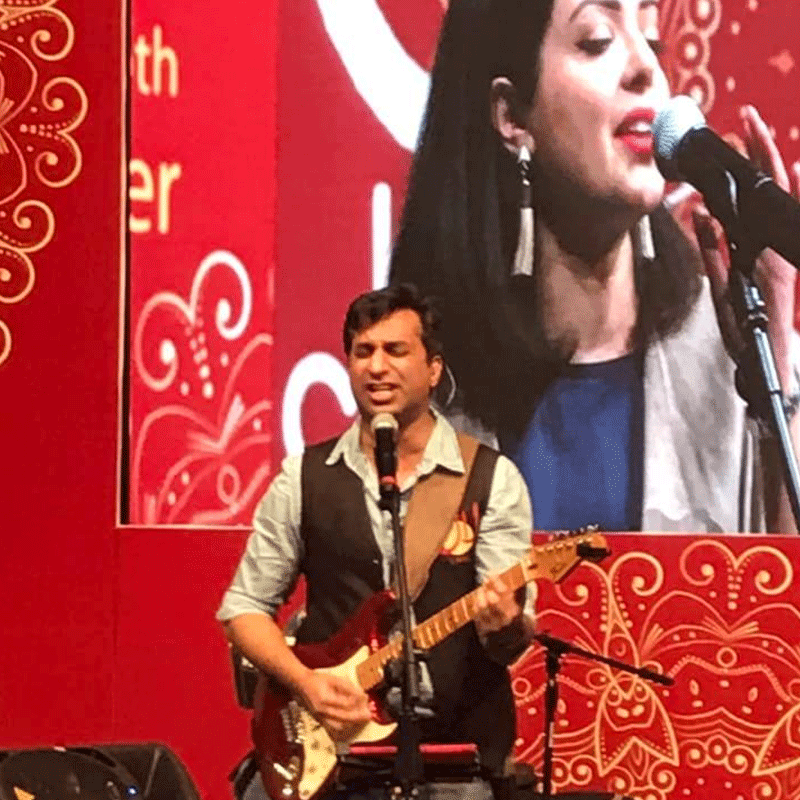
(296,755)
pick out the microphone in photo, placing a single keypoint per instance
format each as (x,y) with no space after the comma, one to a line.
(743,199)
(384,428)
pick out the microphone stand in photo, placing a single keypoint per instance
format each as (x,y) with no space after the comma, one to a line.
(555,648)
(730,201)
(756,214)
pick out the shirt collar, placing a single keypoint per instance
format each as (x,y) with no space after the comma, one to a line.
(442,449)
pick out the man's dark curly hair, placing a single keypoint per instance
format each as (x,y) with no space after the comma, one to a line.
(371,307)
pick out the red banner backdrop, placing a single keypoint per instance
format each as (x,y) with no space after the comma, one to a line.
(42,108)
(200,303)
(61,246)
(718,616)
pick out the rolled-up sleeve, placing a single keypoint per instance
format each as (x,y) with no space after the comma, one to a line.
(504,534)
(270,565)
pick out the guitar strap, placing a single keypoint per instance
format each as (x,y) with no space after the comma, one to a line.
(432,509)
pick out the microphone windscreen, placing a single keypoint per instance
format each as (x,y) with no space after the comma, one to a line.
(384,427)
(679,116)
(383,421)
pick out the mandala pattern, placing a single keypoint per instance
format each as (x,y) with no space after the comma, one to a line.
(39,112)
(718,619)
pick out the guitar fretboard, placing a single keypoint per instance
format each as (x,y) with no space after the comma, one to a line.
(434,629)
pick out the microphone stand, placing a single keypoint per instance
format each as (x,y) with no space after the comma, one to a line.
(555,649)
(756,375)
(408,775)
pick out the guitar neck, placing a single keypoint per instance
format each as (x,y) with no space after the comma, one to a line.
(433,630)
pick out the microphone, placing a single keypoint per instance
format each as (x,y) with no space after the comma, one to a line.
(741,197)
(384,428)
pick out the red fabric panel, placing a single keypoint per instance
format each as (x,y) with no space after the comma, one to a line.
(717,615)
(173,673)
(202,192)
(58,427)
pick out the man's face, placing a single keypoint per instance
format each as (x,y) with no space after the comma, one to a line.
(389,368)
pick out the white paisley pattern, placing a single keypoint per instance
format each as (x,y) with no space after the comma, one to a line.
(39,113)
(201,452)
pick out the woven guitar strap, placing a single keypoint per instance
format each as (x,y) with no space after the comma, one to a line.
(432,509)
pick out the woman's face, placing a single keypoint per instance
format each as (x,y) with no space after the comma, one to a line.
(599,87)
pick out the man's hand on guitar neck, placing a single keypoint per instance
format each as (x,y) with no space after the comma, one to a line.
(496,606)
(337,703)
(502,625)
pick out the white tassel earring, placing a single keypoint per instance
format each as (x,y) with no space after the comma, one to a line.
(523,258)
(644,234)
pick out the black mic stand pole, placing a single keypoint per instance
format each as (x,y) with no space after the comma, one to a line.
(759,375)
(408,774)
(756,375)
(555,649)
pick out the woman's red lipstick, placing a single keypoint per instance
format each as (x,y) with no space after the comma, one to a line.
(635,131)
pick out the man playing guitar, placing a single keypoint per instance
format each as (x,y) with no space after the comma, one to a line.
(320,518)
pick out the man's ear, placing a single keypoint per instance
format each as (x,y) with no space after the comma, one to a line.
(436,365)
(508,116)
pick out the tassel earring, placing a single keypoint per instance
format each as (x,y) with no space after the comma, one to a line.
(644,235)
(523,258)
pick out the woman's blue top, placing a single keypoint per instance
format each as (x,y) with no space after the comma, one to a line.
(582,454)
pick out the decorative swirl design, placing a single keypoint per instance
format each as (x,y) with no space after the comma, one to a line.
(33,227)
(718,619)
(16,276)
(171,309)
(771,581)
(640,583)
(53,26)
(5,341)
(201,449)
(60,160)
(39,112)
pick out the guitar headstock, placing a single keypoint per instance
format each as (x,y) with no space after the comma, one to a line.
(558,557)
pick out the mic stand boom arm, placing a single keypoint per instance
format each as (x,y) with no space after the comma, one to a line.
(555,649)
(756,375)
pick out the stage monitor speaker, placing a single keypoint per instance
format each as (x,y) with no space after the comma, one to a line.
(148,771)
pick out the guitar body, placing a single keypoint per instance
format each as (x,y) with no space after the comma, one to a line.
(296,755)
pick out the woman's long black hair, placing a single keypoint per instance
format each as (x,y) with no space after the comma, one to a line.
(460,222)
